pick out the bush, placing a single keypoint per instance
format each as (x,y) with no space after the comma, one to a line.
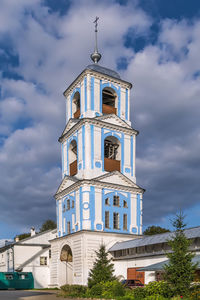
(161,288)
(113,289)
(109,290)
(139,293)
(95,291)
(74,290)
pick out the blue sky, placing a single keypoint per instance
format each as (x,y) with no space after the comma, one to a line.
(44,45)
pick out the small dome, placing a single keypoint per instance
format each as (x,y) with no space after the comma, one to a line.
(103,70)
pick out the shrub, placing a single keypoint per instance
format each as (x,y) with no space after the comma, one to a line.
(95,291)
(112,289)
(161,288)
(139,293)
(74,290)
(155,297)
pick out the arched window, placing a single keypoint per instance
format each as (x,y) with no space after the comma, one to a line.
(112,154)
(109,101)
(73,158)
(66,254)
(76,105)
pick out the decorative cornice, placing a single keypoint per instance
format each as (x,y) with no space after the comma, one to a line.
(100,184)
(98,75)
(99,123)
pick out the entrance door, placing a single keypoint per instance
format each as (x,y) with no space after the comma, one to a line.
(133,274)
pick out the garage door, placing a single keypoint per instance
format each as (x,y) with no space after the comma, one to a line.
(133,274)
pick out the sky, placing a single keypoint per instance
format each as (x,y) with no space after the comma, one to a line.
(44,45)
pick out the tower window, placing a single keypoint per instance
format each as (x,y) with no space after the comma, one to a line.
(76,105)
(64,208)
(107,201)
(72,203)
(68,227)
(107,216)
(125,204)
(110,149)
(115,220)
(125,222)
(108,98)
(68,204)
(116,200)
(73,158)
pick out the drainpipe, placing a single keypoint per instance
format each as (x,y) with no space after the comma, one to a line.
(13,258)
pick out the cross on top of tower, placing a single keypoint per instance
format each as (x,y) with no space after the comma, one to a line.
(96,56)
(96,24)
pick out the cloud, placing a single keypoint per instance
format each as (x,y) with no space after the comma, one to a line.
(51,50)
(166,110)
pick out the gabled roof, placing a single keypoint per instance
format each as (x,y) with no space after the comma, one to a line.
(69,125)
(116,177)
(190,233)
(113,119)
(66,182)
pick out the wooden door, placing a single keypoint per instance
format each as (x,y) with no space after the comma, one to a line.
(133,274)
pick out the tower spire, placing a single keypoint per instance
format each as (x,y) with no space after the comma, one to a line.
(96,56)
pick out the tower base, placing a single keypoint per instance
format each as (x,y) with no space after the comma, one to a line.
(73,255)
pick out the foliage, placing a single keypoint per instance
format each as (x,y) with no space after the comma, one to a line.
(161,288)
(151,230)
(102,270)
(47,225)
(139,293)
(109,290)
(74,290)
(23,236)
(179,272)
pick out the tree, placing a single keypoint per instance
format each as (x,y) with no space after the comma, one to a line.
(47,225)
(102,270)
(23,236)
(155,230)
(179,272)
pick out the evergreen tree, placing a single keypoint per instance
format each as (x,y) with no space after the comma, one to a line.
(102,270)
(179,272)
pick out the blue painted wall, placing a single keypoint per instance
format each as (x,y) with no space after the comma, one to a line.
(111,208)
(67,214)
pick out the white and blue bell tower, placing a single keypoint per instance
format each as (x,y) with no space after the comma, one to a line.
(98,192)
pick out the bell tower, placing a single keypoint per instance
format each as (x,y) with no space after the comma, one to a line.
(98,199)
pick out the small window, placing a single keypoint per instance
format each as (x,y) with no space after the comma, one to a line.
(115,220)
(68,204)
(72,203)
(125,222)
(116,200)
(107,201)
(49,253)
(43,260)
(125,204)
(106,219)
(68,227)
(64,208)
